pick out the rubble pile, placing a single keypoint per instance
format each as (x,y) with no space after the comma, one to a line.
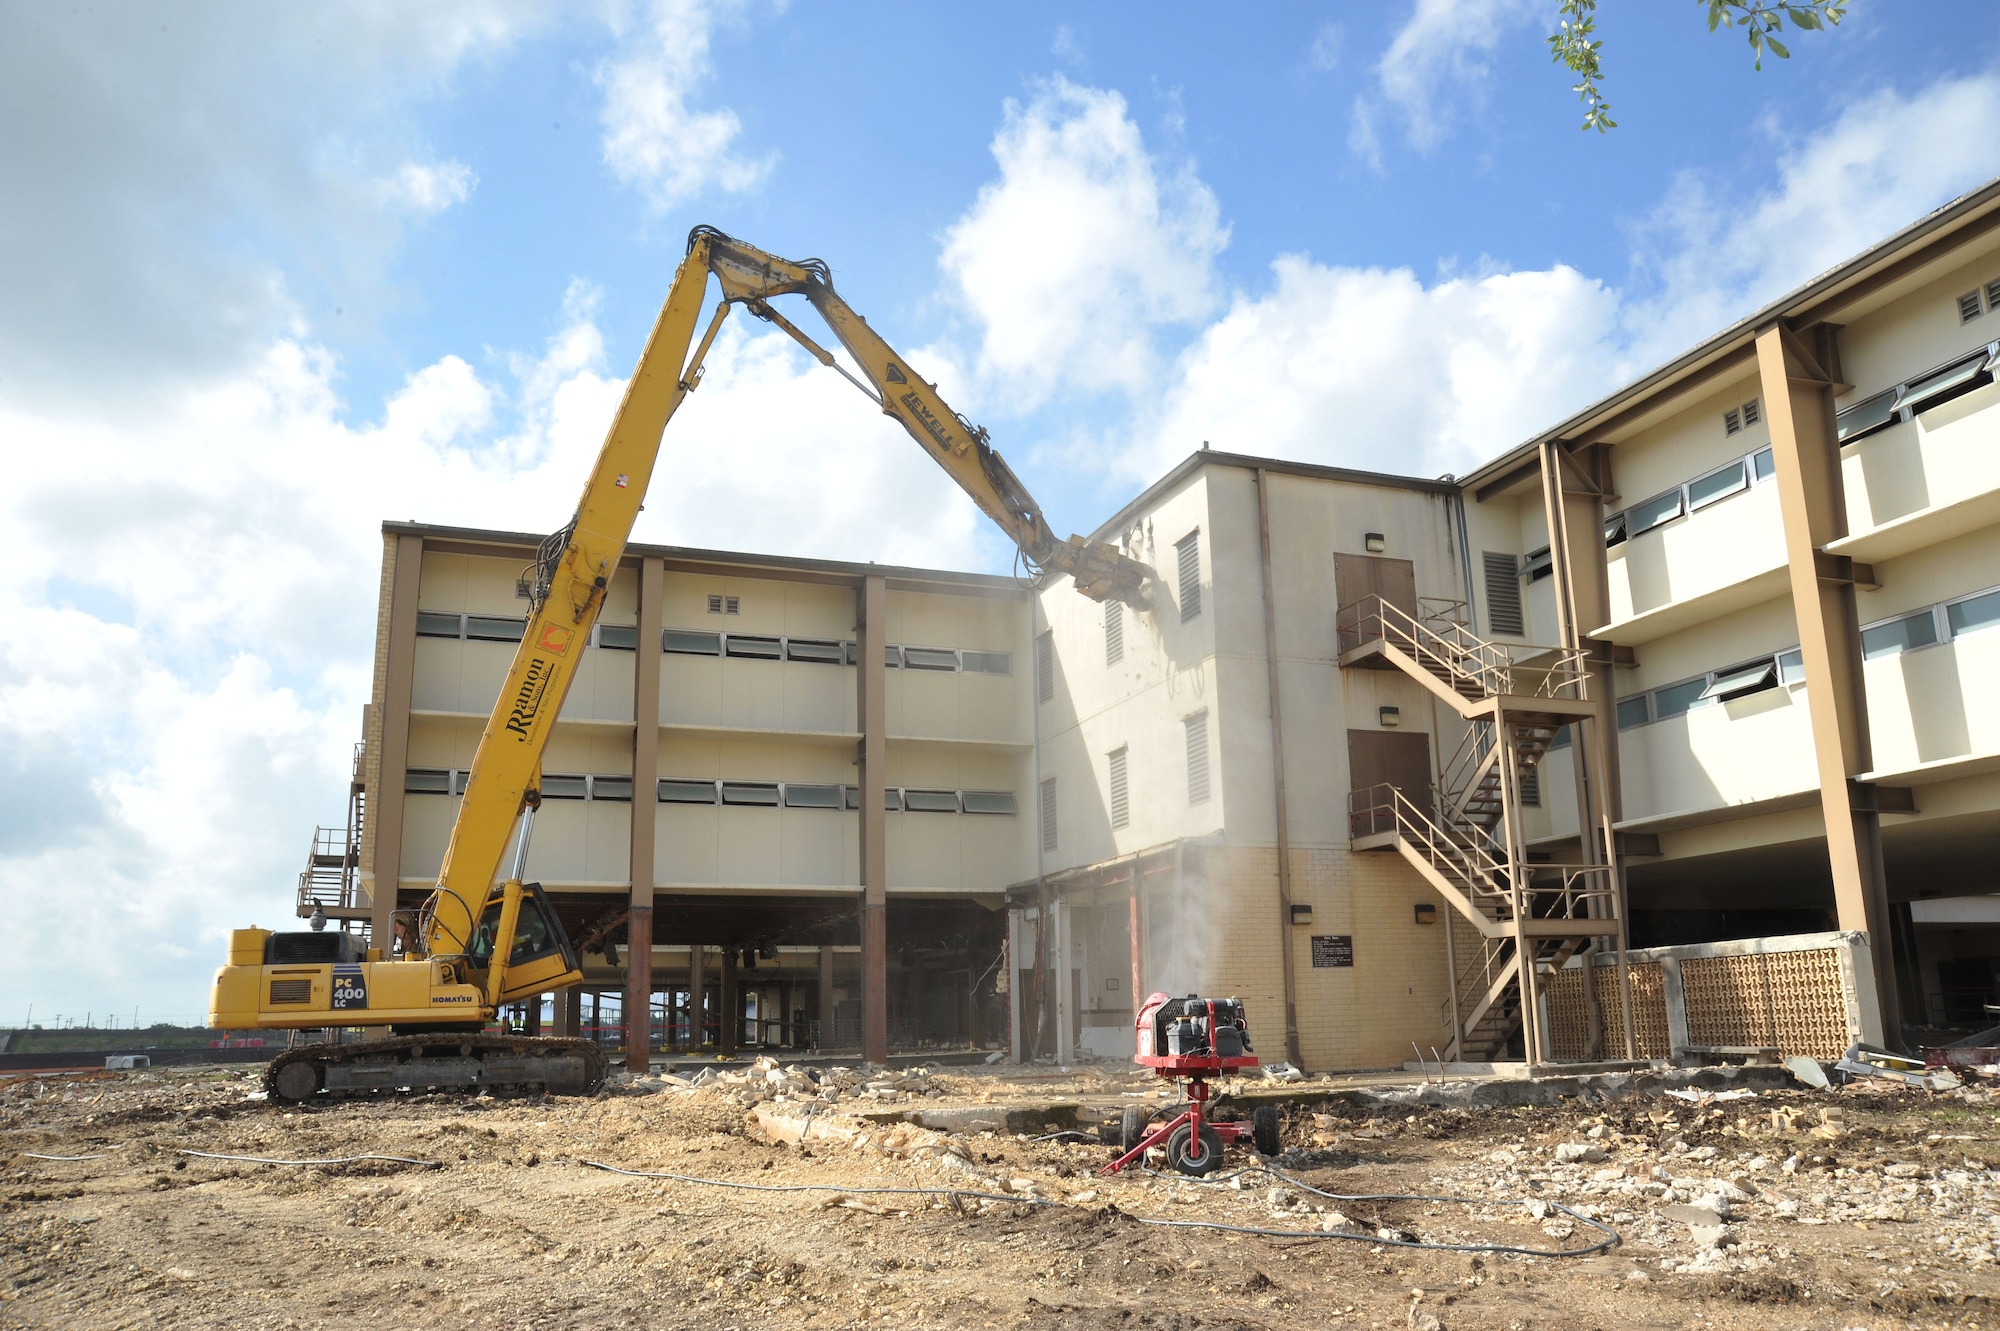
(766,1081)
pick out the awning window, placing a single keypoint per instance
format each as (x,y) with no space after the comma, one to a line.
(1735,683)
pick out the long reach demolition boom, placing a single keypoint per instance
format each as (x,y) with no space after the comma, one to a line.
(481,941)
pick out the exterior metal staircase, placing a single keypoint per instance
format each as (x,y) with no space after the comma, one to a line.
(1465,834)
(329,883)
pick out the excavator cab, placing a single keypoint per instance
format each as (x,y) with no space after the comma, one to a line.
(542,957)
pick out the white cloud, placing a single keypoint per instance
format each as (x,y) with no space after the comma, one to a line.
(1327,44)
(653,139)
(425,188)
(1081,250)
(1884,161)
(1439,53)
(168,158)
(1371,368)
(192,610)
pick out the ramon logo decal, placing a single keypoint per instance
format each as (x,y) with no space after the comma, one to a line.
(555,638)
(528,698)
(894,375)
(622,481)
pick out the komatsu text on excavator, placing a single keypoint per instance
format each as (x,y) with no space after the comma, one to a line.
(483,939)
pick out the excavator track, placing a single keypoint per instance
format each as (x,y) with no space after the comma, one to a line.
(474,1059)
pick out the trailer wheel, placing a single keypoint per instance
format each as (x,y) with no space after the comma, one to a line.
(1131,1128)
(1196,1157)
(1264,1130)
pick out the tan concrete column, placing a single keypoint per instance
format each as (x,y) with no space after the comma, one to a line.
(729,1023)
(1798,404)
(569,1012)
(698,995)
(645,807)
(872,717)
(405,555)
(826,998)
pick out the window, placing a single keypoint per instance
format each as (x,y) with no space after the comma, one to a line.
(1974,612)
(1866,417)
(1751,413)
(1538,564)
(1899,635)
(618,637)
(929,658)
(687,643)
(427,781)
(760,793)
(1503,593)
(1614,530)
(1197,757)
(815,649)
(1792,667)
(490,628)
(812,797)
(1968,307)
(673,791)
(1718,484)
(1121,800)
(1114,632)
(1934,390)
(724,605)
(564,787)
(986,663)
(1676,699)
(1762,465)
(1633,712)
(1188,551)
(617,789)
(1646,516)
(1048,794)
(930,801)
(988,801)
(1740,681)
(756,649)
(892,656)
(1561,741)
(1045,668)
(892,799)
(1530,786)
(431,624)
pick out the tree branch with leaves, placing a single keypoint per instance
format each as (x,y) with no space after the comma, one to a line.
(1574,43)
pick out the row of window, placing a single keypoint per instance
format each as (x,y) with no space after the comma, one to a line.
(1906,632)
(1932,388)
(1118,772)
(753,794)
(691,642)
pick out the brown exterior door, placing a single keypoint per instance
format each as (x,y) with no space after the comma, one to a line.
(1400,758)
(1358,576)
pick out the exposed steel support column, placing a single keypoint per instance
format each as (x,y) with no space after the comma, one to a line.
(872,719)
(645,807)
(1798,393)
(385,796)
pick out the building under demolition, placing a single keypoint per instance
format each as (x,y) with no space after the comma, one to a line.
(1663,731)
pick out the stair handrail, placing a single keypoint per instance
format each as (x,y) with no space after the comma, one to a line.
(1440,640)
(1385,808)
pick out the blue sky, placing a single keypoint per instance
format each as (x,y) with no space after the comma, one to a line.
(275,274)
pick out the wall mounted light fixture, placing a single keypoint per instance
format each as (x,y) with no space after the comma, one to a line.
(1374,542)
(1390,717)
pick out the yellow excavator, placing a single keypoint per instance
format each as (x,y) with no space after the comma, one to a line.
(481,941)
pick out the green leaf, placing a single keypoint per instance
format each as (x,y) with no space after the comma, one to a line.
(1777,48)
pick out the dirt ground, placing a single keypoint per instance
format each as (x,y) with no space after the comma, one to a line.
(1869,1207)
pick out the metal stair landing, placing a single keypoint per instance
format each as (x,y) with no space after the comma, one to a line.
(1468,841)
(330,883)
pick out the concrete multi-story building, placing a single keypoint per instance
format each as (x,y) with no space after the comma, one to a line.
(1673,726)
